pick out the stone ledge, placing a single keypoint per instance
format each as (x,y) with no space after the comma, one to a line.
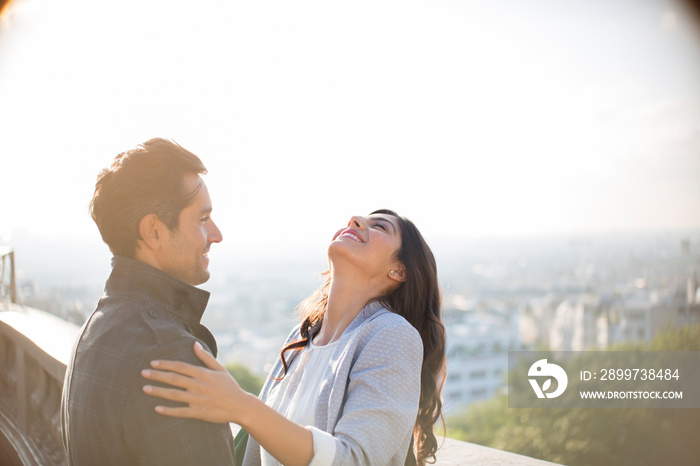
(53,335)
(456,452)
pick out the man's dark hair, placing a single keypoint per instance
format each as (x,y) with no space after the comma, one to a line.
(149,179)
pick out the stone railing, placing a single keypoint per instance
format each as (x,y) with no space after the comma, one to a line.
(34,350)
(456,452)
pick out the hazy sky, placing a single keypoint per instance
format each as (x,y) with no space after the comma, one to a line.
(470,117)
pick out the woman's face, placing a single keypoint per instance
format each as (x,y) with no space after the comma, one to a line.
(368,244)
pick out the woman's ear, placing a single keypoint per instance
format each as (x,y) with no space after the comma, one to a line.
(398,274)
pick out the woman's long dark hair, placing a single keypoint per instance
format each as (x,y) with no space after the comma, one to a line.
(418,300)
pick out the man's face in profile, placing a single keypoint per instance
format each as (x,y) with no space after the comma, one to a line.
(187,247)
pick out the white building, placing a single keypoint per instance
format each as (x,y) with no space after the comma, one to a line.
(477,354)
(575,324)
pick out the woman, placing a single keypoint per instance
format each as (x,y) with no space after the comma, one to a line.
(358,382)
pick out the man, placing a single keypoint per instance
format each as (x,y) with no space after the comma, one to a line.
(153,210)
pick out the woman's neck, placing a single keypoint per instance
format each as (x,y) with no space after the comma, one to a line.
(346,298)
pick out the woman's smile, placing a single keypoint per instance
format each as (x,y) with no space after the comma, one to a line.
(352,234)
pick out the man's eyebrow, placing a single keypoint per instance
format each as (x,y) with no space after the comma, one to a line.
(382,219)
(205,209)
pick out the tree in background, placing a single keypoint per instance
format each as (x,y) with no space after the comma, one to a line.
(245,378)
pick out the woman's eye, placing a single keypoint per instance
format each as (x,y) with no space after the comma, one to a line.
(381,225)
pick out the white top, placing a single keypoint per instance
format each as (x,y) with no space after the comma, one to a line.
(296,396)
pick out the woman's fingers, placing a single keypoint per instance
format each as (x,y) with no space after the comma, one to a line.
(176,412)
(210,392)
(208,360)
(171,378)
(176,366)
(171,394)
(199,405)
(190,370)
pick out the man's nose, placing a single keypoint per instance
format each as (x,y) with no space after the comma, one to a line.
(215,235)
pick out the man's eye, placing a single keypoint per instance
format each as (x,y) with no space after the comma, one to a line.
(205,219)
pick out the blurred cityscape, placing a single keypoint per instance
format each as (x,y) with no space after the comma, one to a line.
(501,294)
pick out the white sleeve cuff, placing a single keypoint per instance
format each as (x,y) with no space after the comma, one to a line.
(324,447)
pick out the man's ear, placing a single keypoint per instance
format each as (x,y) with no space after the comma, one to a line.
(398,273)
(151,231)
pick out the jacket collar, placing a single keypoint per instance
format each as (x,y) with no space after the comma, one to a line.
(136,279)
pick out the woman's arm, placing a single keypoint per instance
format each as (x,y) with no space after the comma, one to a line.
(213,395)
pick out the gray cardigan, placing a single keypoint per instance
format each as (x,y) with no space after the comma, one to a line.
(369,394)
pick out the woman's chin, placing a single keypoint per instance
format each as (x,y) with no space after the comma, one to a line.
(338,250)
